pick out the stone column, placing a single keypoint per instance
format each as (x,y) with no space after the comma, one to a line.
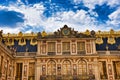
(38,48)
(94,47)
(96,69)
(110,70)
(14,70)
(37,70)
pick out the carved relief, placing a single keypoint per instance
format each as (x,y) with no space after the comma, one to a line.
(73,48)
(43,69)
(111,40)
(33,41)
(88,46)
(25,70)
(99,40)
(9,41)
(22,41)
(58,48)
(109,69)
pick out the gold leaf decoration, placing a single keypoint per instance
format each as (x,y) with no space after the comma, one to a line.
(33,41)
(44,34)
(111,40)
(9,42)
(87,32)
(22,42)
(99,40)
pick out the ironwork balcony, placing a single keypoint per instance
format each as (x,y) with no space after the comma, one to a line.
(101,52)
(25,53)
(51,53)
(66,53)
(110,52)
(117,77)
(103,77)
(20,54)
(31,77)
(68,77)
(18,78)
(81,52)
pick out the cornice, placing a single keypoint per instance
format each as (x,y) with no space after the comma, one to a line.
(64,32)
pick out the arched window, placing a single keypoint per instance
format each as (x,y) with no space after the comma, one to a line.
(51,68)
(66,67)
(82,68)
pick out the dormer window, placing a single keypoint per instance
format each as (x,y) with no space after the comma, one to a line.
(51,48)
(66,47)
(81,47)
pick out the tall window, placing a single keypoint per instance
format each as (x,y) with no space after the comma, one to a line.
(82,68)
(31,70)
(102,70)
(67,67)
(116,67)
(51,48)
(19,71)
(51,68)
(1,64)
(81,47)
(66,47)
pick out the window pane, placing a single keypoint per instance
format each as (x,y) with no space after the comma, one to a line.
(51,47)
(31,69)
(82,67)
(66,68)
(51,68)
(66,46)
(80,46)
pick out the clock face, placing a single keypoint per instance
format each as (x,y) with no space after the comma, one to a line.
(65,31)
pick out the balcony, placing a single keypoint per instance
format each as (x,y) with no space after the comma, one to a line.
(68,77)
(81,52)
(18,78)
(31,77)
(66,53)
(25,54)
(51,53)
(114,53)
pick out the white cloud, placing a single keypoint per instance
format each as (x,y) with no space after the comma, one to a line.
(91,3)
(7,29)
(79,20)
(33,15)
(115,18)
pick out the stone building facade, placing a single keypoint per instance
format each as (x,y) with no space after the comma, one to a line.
(65,54)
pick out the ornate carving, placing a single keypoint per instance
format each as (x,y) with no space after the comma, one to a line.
(39,35)
(44,34)
(1,33)
(111,40)
(87,32)
(22,41)
(65,32)
(33,41)
(20,34)
(99,40)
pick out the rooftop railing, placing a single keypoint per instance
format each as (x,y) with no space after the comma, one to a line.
(26,54)
(108,52)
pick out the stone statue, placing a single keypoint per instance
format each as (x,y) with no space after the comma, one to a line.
(1,33)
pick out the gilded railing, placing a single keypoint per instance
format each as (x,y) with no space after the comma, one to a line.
(108,52)
(67,77)
(25,53)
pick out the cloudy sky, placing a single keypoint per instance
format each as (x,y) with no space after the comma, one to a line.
(50,15)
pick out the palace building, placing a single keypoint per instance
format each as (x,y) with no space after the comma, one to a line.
(65,54)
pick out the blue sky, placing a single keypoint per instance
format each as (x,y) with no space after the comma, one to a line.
(50,15)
